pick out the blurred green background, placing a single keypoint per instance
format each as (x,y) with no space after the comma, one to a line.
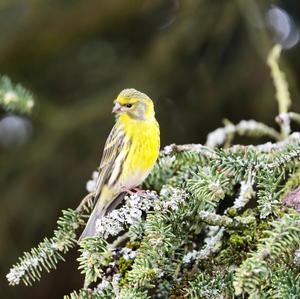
(200,61)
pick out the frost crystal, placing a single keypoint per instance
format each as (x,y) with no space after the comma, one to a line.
(190,256)
(115,284)
(284,120)
(104,284)
(128,253)
(246,192)
(129,214)
(15,275)
(297,258)
(269,146)
(171,198)
(218,136)
(212,244)
(168,149)
(107,226)
(167,162)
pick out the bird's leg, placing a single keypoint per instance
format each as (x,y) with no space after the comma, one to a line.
(130,192)
(140,192)
(136,191)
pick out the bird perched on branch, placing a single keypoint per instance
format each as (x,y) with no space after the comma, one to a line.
(130,152)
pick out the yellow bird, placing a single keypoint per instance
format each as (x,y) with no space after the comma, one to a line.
(130,153)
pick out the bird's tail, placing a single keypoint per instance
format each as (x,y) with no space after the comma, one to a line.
(90,228)
(106,203)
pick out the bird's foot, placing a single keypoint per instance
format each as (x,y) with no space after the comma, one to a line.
(129,191)
(135,191)
(140,192)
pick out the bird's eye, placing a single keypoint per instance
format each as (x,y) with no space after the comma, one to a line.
(129,105)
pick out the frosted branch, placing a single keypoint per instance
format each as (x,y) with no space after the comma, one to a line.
(279,79)
(250,128)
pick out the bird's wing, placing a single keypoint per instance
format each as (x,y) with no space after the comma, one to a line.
(114,144)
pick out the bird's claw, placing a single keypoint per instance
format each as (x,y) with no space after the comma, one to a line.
(135,191)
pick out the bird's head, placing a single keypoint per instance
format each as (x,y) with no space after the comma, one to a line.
(134,104)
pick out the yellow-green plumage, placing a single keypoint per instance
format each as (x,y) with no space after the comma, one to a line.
(143,151)
(130,152)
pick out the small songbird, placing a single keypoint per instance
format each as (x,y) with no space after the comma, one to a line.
(130,153)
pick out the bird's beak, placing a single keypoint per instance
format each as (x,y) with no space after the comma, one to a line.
(117,108)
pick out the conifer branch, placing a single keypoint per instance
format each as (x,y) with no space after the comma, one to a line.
(285,283)
(215,225)
(215,219)
(93,253)
(279,79)
(207,286)
(15,98)
(249,128)
(278,245)
(48,253)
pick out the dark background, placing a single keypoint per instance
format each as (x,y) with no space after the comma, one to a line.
(200,61)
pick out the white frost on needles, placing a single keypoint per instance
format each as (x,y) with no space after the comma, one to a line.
(190,256)
(103,285)
(128,253)
(172,198)
(246,192)
(131,212)
(18,271)
(15,274)
(218,136)
(244,127)
(212,244)
(269,146)
(297,258)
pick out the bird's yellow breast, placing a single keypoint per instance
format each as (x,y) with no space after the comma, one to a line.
(145,142)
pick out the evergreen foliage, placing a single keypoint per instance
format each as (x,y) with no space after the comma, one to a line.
(14,97)
(47,254)
(215,224)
